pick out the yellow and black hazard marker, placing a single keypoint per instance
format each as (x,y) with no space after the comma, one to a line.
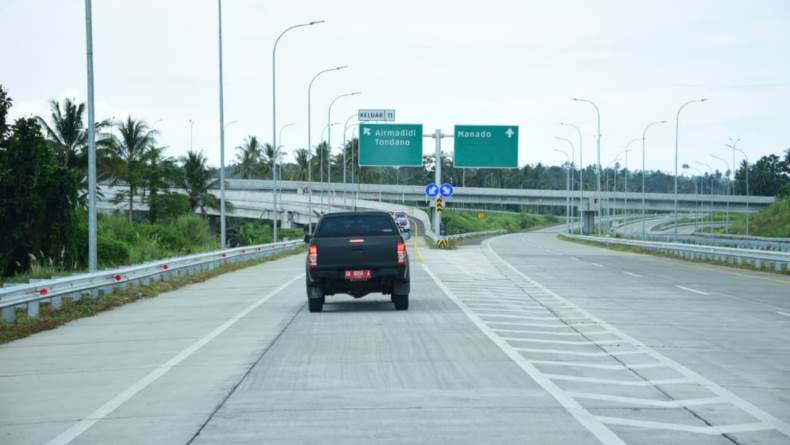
(439,204)
(442,243)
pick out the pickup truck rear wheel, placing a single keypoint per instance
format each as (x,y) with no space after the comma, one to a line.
(315,304)
(401,302)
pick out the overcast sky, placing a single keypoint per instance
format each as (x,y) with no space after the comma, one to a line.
(438,63)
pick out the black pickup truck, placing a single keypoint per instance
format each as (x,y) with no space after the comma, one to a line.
(357,253)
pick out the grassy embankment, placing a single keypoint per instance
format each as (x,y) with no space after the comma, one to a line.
(773,221)
(459,222)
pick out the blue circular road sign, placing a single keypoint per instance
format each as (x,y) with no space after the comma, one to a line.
(432,190)
(446,190)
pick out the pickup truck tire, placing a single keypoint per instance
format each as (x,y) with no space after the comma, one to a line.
(315,298)
(401,302)
(315,304)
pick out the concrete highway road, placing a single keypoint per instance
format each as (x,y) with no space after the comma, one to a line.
(521,339)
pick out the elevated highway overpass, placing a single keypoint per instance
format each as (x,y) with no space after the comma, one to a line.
(654,202)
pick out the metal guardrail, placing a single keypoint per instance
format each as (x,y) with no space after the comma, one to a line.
(74,287)
(474,234)
(759,259)
(739,242)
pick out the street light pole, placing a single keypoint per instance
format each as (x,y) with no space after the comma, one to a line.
(222,228)
(567,189)
(573,159)
(710,187)
(581,170)
(677,128)
(345,130)
(310,147)
(274,119)
(747,185)
(625,199)
(644,135)
(92,223)
(329,140)
(598,155)
(191,128)
(726,192)
(276,160)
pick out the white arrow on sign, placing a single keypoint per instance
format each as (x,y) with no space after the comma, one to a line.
(366,131)
(509,133)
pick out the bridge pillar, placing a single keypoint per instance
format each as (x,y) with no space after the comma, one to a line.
(588,221)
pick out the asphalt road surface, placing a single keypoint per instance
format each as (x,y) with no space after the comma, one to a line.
(521,339)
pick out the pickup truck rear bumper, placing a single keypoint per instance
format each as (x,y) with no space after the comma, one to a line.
(383,280)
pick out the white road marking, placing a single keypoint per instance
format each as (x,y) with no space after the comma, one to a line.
(527,331)
(635,275)
(647,402)
(691,290)
(564,342)
(519,317)
(573,378)
(533,325)
(575,259)
(764,417)
(596,365)
(783,313)
(83,425)
(579,353)
(601,432)
(710,430)
(597,265)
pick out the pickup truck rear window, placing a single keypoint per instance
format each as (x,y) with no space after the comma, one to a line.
(355,225)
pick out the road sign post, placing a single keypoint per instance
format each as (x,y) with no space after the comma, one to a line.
(390,145)
(486,146)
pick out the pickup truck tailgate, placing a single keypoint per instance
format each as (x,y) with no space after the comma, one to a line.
(362,252)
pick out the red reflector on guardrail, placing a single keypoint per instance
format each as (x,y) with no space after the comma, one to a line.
(165,266)
(118,277)
(43,292)
(243,251)
(224,255)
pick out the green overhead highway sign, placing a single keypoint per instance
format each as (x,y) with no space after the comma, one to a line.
(486,146)
(390,145)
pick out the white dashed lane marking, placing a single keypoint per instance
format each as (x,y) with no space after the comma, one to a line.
(635,275)
(688,289)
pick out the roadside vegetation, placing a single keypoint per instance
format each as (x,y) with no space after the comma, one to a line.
(773,221)
(43,195)
(459,222)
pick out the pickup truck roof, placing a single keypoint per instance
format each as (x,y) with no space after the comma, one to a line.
(344,224)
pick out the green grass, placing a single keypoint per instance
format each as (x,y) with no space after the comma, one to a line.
(773,221)
(88,307)
(459,222)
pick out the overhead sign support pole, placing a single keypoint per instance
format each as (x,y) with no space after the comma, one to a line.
(437,137)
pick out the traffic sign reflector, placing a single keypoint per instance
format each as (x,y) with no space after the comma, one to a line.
(439,204)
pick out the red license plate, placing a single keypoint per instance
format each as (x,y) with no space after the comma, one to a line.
(358,275)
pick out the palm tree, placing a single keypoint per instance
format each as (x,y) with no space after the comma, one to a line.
(66,130)
(249,158)
(197,181)
(128,150)
(302,164)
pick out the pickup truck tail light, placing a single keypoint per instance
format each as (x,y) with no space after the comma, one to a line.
(401,253)
(312,257)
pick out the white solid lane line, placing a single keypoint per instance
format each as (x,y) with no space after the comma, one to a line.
(691,290)
(635,275)
(102,412)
